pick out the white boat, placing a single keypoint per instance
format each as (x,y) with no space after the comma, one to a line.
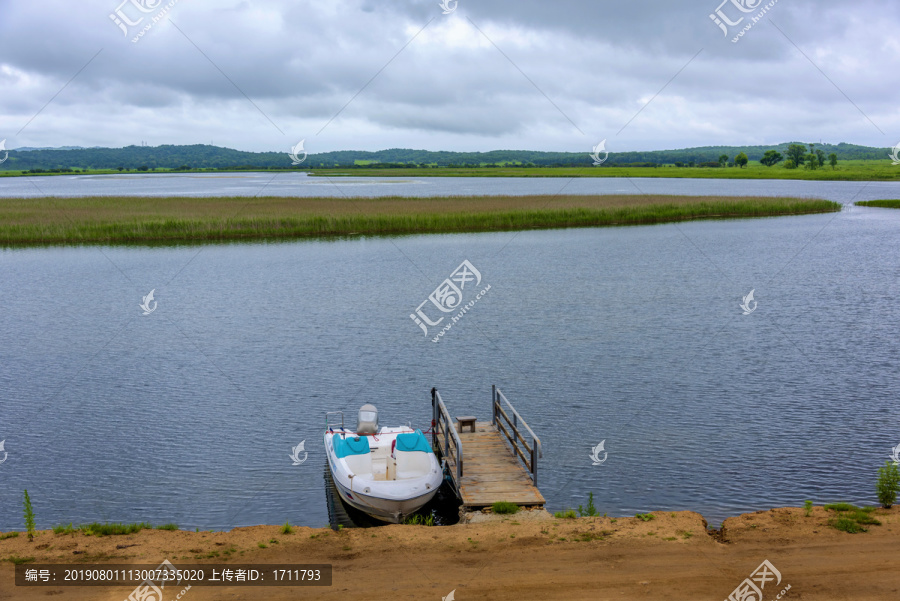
(388,473)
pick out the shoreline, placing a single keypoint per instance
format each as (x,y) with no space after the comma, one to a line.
(855,170)
(669,556)
(47,221)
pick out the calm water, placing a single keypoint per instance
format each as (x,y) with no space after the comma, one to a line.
(299,184)
(633,336)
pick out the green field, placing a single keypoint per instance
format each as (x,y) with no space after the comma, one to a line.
(125,220)
(846,171)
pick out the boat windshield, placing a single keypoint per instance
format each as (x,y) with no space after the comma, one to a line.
(368,416)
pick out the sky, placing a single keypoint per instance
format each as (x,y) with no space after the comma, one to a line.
(529,74)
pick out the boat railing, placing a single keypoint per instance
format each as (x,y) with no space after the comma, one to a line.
(443,430)
(328,424)
(529,451)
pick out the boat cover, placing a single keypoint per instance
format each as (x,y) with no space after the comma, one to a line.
(350,446)
(415,441)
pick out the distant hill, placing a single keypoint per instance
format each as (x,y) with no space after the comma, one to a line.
(203,156)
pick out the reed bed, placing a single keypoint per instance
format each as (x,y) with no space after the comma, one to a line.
(887,204)
(124,220)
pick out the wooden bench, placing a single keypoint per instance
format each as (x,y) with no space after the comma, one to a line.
(465,420)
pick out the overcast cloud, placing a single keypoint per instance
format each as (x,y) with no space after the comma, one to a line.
(537,75)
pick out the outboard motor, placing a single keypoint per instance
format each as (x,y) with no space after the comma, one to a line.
(367,420)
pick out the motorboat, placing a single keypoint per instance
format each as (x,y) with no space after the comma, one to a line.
(386,472)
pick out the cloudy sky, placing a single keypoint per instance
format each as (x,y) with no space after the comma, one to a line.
(366,75)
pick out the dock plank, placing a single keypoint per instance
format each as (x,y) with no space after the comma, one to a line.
(491,470)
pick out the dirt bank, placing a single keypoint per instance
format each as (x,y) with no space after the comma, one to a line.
(671,556)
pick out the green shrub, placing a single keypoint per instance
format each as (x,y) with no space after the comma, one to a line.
(29,517)
(504,507)
(840,507)
(888,484)
(808,506)
(286,529)
(566,514)
(645,516)
(167,527)
(9,535)
(19,560)
(591,511)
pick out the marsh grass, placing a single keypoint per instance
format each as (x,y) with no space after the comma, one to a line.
(117,220)
(886,204)
(853,170)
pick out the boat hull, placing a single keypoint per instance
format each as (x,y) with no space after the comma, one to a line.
(385,510)
(385,500)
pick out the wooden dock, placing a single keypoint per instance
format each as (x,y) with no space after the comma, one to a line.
(496,462)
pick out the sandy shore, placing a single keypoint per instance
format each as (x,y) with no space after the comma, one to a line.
(671,556)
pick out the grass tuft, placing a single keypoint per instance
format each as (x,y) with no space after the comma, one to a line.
(419,520)
(851,518)
(504,508)
(114,529)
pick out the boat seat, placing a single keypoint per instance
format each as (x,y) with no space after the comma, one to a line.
(355,452)
(412,455)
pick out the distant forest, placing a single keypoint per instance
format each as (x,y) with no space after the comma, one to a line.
(202,156)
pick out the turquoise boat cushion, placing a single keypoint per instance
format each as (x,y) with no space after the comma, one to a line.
(415,441)
(350,446)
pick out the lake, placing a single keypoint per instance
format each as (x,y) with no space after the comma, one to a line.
(299,184)
(632,336)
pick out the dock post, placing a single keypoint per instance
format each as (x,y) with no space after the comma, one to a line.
(493,404)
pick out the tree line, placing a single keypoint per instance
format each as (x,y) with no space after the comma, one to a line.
(202,156)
